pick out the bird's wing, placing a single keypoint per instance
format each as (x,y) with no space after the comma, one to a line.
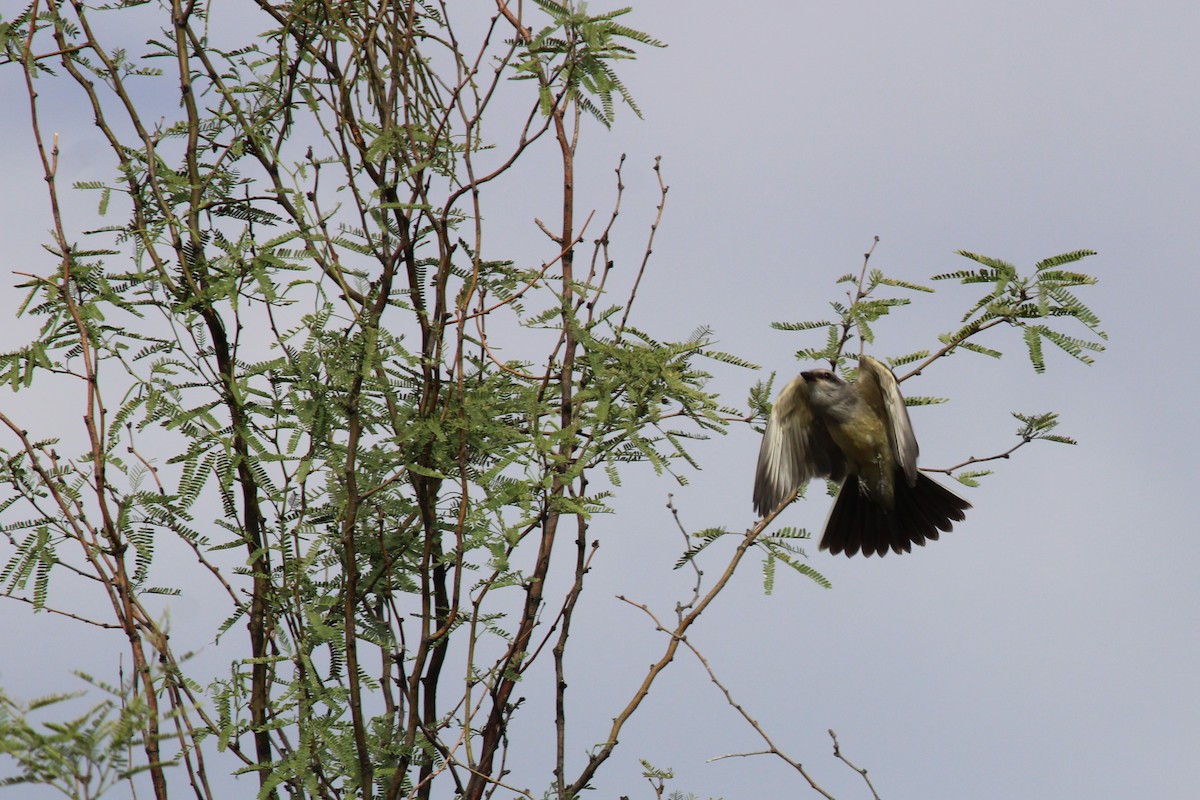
(878,386)
(795,448)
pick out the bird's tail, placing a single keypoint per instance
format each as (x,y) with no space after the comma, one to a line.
(922,511)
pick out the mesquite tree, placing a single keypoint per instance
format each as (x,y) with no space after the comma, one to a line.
(304,359)
(295,319)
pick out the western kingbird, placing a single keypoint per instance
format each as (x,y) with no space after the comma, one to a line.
(857,434)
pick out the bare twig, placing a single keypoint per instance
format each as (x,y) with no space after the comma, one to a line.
(602,753)
(856,295)
(662,204)
(680,608)
(837,752)
(600,251)
(980,460)
(771,748)
(68,614)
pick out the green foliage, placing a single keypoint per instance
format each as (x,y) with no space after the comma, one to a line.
(1028,303)
(572,57)
(780,549)
(285,345)
(658,778)
(1022,301)
(855,318)
(1039,426)
(82,756)
(376,437)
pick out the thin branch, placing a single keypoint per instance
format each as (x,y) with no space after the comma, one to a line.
(949,348)
(677,633)
(680,608)
(712,675)
(837,752)
(855,296)
(662,204)
(49,609)
(980,460)
(483,312)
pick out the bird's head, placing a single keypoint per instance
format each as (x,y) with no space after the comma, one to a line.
(825,387)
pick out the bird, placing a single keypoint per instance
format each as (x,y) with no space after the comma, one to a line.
(859,435)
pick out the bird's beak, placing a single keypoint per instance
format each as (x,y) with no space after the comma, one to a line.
(808,377)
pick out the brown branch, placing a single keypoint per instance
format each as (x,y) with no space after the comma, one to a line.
(682,607)
(677,635)
(583,560)
(68,614)
(349,524)
(600,249)
(980,460)
(837,752)
(662,203)
(854,296)
(118,582)
(948,348)
(772,749)
(493,729)
(483,312)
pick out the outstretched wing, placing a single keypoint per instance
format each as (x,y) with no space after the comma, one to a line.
(795,448)
(877,385)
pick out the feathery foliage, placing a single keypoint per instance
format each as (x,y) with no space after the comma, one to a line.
(304,369)
(320,396)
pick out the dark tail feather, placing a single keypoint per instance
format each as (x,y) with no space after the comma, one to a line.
(922,512)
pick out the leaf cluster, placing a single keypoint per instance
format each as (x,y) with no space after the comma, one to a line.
(571,57)
(1028,303)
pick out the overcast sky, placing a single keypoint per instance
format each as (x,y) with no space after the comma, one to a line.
(1048,647)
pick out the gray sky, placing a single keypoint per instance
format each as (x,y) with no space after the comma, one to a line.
(1048,647)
